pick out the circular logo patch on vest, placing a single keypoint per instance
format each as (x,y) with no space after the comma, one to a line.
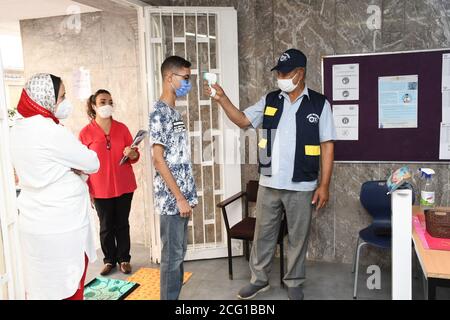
(313,118)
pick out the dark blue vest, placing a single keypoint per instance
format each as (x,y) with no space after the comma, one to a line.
(307,149)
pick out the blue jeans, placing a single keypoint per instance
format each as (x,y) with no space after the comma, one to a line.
(173,231)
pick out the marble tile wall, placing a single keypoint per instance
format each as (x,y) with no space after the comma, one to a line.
(266,28)
(106,44)
(323,27)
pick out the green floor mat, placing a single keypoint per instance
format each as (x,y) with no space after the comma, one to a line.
(108,289)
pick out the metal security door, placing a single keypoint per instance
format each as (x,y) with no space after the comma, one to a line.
(208,38)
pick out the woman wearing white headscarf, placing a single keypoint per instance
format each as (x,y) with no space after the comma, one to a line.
(54,202)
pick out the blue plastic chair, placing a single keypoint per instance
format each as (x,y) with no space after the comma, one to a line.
(377,202)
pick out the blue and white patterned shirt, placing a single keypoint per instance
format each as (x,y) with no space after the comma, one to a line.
(167,129)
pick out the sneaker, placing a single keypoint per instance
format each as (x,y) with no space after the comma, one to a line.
(250,291)
(107,269)
(296,293)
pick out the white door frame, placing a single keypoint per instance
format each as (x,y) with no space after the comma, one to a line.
(229,57)
(144,110)
(228,67)
(12,279)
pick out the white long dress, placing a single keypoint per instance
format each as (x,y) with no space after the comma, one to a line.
(54,221)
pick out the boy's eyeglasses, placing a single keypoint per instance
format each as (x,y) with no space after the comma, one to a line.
(184,76)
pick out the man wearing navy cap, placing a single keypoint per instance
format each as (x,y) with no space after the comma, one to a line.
(297,139)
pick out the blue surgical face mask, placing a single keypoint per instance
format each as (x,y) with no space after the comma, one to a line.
(184,89)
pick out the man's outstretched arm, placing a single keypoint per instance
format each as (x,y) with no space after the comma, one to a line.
(233,113)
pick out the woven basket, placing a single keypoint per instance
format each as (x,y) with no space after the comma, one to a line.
(438,222)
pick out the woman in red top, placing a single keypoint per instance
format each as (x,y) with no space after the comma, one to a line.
(112,187)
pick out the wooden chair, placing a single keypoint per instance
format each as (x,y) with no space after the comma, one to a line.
(245,229)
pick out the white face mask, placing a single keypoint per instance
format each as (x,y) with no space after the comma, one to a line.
(287,85)
(64,109)
(104,111)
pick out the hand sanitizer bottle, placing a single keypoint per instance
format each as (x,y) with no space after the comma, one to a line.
(427,192)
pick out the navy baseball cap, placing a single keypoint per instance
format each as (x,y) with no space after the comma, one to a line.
(290,60)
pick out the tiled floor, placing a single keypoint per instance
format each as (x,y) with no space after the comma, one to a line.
(325,281)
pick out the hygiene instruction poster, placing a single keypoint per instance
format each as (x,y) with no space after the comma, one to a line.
(397,102)
(346,82)
(346,121)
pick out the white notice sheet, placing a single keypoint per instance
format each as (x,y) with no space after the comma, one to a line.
(446,106)
(346,82)
(346,121)
(446,72)
(446,88)
(82,83)
(444,144)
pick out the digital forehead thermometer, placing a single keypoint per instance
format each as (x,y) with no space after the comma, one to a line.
(212,79)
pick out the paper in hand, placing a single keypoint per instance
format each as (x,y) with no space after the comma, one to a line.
(137,139)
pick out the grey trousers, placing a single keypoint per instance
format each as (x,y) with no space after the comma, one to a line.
(269,210)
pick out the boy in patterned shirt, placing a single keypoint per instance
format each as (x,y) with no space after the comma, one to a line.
(174,186)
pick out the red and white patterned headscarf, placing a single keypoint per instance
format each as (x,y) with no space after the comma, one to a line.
(39,96)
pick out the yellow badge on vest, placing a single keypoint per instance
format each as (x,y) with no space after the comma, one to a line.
(262,144)
(270,111)
(312,150)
